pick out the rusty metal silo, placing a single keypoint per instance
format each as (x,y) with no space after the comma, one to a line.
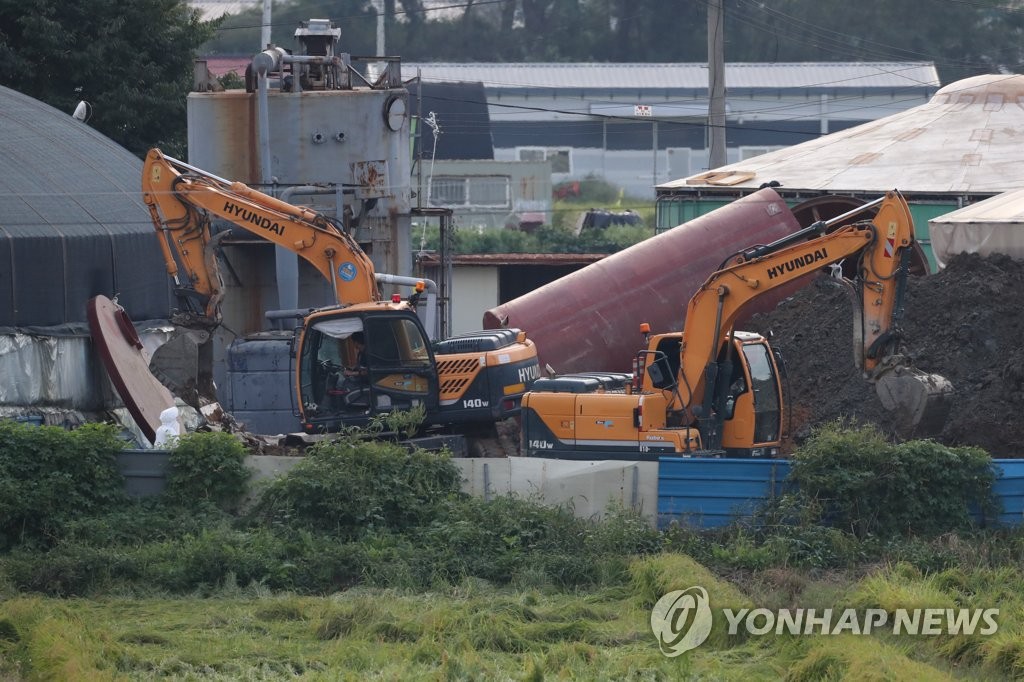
(589,320)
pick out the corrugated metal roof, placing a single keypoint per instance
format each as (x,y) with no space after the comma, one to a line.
(827,75)
(434,259)
(213,9)
(968,138)
(219,66)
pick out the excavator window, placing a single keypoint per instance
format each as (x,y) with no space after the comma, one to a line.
(411,343)
(320,358)
(765,385)
(666,360)
(382,343)
(737,387)
(329,352)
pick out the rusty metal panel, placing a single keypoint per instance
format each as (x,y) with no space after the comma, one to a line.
(590,320)
(316,137)
(127,363)
(372,178)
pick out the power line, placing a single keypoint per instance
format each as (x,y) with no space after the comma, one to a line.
(614,117)
(374,14)
(670,103)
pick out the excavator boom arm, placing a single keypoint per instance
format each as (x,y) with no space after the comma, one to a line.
(882,248)
(181,198)
(880,243)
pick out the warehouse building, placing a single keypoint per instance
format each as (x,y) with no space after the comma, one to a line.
(638,125)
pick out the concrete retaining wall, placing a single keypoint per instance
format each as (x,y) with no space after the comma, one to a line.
(586,487)
(703,493)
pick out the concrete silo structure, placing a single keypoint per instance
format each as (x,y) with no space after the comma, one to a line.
(310,129)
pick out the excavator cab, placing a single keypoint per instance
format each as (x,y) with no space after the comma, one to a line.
(363,361)
(742,416)
(749,397)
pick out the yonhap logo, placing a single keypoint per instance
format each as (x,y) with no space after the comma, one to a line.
(681,620)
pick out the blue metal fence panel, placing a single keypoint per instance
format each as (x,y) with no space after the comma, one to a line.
(1009,489)
(708,493)
(713,492)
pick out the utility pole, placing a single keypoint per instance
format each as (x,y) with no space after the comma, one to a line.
(716,84)
(379,6)
(265,26)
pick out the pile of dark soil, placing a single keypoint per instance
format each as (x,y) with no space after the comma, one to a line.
(964,323)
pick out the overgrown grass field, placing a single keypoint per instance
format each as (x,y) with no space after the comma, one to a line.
(478,631)
(366,562)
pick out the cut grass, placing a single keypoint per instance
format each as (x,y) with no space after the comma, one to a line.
(363,634)
(475,631)
(847,657)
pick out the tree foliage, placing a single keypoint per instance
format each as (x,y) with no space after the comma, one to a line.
(239,34)
(132,61)
(962,38)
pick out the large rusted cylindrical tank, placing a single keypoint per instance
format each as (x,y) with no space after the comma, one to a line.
(590,320)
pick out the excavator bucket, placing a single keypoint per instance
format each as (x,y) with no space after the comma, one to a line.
(920,401)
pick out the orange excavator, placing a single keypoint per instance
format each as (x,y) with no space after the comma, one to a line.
(466,383)
(711,390)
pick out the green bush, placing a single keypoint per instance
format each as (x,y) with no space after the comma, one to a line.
(509,539)
(349,487)
(352,511)
(496,539)
(771,546)
(216,557)
(137,521)
(546,239)
(207,468)
(65,570)
(868,486)
(49,476)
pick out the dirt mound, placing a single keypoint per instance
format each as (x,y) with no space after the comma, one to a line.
(964,323)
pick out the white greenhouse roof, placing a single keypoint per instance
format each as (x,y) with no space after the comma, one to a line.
(966,139)
(1007,207)
(995,225)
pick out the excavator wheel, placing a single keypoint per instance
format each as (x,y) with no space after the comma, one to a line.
(484,447)
(920,401)
(497,441)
